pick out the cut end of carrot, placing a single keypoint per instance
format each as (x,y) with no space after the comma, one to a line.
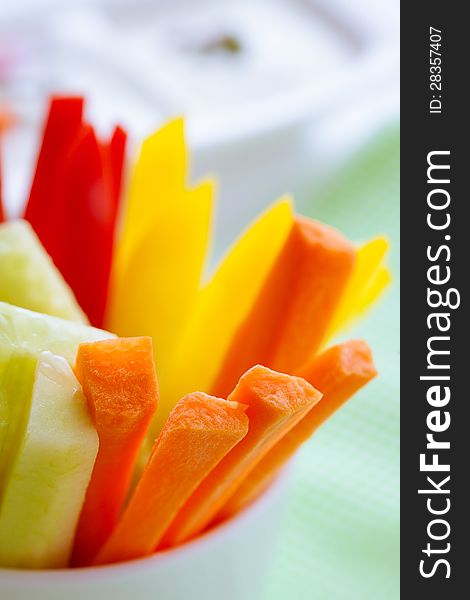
(105,365)
(288,318)
(356,355)
(276,402)
(282,393)
(199,432)
(351,357)
(338,373)
(120,386)
(317,233)
(200,411)
(318,261)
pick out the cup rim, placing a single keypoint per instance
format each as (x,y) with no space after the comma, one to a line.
(32,577)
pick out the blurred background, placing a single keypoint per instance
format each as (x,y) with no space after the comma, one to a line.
(296,96)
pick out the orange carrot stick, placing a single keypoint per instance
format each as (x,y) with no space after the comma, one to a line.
(276,402)
(120,385)
(338,373)
(288,321)
(199,432)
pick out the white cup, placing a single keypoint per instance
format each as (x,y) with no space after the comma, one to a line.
(227,563)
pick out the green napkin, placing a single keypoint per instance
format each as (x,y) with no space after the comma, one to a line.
(340,536)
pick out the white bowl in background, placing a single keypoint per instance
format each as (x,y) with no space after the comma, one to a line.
(261,120)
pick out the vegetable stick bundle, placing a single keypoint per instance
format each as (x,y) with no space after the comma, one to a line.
(117,444)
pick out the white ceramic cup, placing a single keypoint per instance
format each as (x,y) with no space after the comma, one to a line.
(227,563)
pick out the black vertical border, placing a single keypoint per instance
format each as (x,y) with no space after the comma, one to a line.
(421,133)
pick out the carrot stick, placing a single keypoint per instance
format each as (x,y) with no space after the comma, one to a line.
(120,385)
(289,319)
(276,402)
(199,432)
(338,373)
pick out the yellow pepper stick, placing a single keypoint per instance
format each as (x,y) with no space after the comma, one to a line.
(160,283)
(160,256)
(158,177)
(378,283)
(221,307)
(369,279)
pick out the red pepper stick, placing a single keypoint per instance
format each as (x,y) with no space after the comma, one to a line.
(74,201)
(45,209)
(90,226)
(115,150)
